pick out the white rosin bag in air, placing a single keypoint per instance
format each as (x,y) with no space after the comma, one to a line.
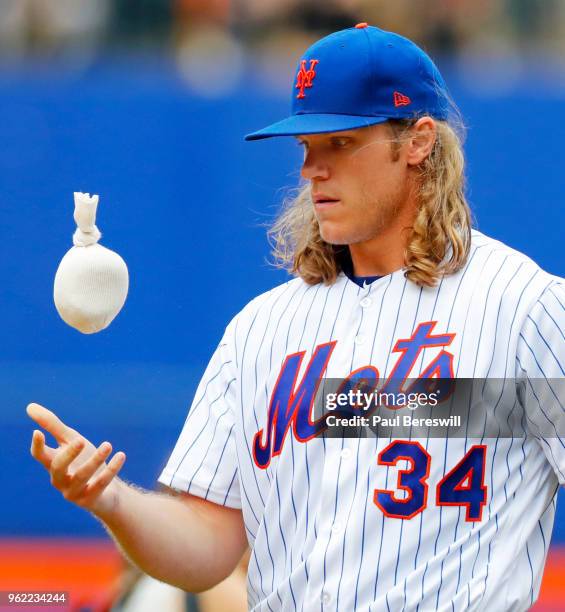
(91,283)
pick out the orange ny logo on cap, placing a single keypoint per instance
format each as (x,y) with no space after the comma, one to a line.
(305,77)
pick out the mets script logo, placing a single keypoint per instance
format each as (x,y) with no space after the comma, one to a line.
(291,403)
(305,77)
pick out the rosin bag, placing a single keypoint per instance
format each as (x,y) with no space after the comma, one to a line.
(91,283)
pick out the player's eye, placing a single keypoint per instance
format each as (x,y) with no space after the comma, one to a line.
(341,142)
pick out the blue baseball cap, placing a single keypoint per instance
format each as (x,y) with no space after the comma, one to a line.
(360,77)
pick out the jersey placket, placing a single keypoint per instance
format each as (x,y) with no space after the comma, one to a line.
(341,473)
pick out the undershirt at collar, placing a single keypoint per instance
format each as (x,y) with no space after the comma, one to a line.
(363,281)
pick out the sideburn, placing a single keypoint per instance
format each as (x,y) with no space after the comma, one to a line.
(397,128)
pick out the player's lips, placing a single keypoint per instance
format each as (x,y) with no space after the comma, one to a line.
(322,200)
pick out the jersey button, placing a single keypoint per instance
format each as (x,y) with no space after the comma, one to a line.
(326,597)
(366,302)
(359,339)
(346,453)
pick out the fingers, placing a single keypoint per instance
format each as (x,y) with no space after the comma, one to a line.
(62,460)
(51,422)
(90,467)
(40,451)
(113,468)
(85,485)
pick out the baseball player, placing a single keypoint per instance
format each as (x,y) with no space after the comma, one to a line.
(391,284)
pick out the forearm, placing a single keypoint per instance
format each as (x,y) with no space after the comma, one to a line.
(189,543)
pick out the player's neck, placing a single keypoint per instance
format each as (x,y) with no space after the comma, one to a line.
(371,260)
(381,255)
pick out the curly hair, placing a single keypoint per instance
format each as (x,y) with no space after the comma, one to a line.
(439,240)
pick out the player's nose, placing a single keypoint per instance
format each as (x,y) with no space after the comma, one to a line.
(314,167)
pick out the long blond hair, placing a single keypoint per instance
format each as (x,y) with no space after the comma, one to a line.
(439,239)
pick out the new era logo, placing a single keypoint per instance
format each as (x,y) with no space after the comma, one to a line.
(401,99)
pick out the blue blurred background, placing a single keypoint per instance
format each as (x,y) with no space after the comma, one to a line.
(146,103)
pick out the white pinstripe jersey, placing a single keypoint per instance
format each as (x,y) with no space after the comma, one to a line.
(324,516)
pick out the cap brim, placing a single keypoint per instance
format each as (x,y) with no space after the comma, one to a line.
(315,123)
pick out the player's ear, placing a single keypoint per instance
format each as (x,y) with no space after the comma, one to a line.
(422,138)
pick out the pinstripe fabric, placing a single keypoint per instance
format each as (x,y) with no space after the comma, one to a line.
(319,541)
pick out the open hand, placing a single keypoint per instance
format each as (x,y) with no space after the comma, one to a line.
(77,468)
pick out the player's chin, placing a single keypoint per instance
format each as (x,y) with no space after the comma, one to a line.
(333,232)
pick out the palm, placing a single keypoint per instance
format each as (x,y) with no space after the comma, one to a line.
(77,468)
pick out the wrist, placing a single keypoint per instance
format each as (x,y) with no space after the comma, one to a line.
(107,507)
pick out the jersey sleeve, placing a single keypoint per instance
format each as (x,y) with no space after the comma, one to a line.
(540,364)
(204,460)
